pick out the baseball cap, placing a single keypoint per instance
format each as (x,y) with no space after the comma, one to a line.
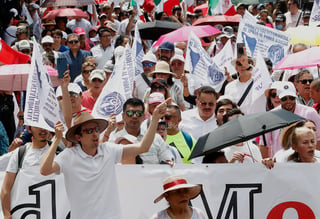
(101,15)
(160,82)
(227,31)
(156,97)
(281,18)
(72,87)
(47,39)
(23,44)
(286,89)
(80,31)
(177,57)
(306,14)
(149,57)
(97,73)
(167,46)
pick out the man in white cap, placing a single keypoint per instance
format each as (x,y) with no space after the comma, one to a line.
(47,45)
(288,99)
(142,81)
(89,167)
(227,34)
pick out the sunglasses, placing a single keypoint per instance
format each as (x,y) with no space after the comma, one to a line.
(286,98)
(305,81)
(273,95)
(73,41)
(97,79)
(138,113)
(150,64)
(90,130)
(168,117)
(87,71)
(204,103)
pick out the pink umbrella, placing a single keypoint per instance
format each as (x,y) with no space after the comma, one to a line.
(65,12)
(53,3)
(218,19)
(15,77)
(182,34)
(306,58)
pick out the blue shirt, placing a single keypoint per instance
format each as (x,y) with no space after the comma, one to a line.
(75,64)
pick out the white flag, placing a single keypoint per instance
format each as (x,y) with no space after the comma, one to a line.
(261,78)
(315,14)
(41,109)
(224,57)
(137,51)
(201,66)
(118,89)
(222,7)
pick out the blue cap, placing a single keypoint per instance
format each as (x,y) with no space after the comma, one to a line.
(167,46)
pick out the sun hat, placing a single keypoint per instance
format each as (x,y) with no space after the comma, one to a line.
(156,97)
(178,182)
(286,88)
(49,22)
(72,87)
(81,119)
(97,73)
(111,26)
(162,67)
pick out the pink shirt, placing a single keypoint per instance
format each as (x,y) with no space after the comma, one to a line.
(87,100)
(273,138)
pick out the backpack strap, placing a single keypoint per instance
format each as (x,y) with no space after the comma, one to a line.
(146,79)
(245,93)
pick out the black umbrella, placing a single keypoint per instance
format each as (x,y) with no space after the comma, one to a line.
(153,30)
(243,128)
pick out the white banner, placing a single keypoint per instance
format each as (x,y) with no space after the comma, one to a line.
(137,51)
(224,57)
(271,43)
(118,89)
(229,190)
(40,95)
(248,192)
(201,66)
(315,14)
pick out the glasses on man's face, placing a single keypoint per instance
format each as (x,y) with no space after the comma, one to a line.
(90,130)
(97,80)
(73,41)
(87,71)
(204,103)
(149,64)
(283,99)
(273,95)
(138,113)
(305,81)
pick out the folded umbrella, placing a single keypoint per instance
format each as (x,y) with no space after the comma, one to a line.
(242,129)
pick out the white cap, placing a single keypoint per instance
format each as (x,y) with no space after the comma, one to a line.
(287,88)
(149,57)
(24,44)
(156,97)
(97,73)
(177,57)
(178,51)
(47,39)
(72,87)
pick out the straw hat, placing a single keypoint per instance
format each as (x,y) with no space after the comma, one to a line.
(81,119)
(178,182)
(162,67)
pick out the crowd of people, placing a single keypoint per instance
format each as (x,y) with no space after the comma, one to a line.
(168,112)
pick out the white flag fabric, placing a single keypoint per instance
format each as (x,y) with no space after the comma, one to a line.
(118,89)
(224,57)
(41,107)
(261,78)
(222,7)
(201,66)
(137,51)
(270,42)
(315,14)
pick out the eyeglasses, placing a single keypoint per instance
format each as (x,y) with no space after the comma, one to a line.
(87,71)
(97,79)
(150,64)
(73,41)
(273,95)
(138,113)
(159,88)
(90,130)
(286,98)
(204,103)
(305,81)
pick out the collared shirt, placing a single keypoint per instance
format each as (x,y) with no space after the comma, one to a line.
(303,102)
(273,138)
(193,124)
(102,55)
(159,150)
(75,63)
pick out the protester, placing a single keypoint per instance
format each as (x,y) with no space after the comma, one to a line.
(224,105)
(272,96)
(84,42)
(280,22)
(83,79)
(294,14)
(57,41)
(302,82)
(178,194)
(315,94)
(166,51)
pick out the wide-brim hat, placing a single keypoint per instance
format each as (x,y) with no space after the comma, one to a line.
(81,119)
(162,67)
(177,182)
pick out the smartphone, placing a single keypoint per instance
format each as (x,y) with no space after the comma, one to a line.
(62,66)
(240,49)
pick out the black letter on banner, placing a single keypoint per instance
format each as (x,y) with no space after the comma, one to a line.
(233,203)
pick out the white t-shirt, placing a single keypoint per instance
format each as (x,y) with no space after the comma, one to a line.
(91,182)
(250,150)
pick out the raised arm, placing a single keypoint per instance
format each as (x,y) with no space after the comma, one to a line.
(66,101)
(145,144)
(48,166)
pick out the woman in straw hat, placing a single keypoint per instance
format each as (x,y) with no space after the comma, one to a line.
(178,193)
